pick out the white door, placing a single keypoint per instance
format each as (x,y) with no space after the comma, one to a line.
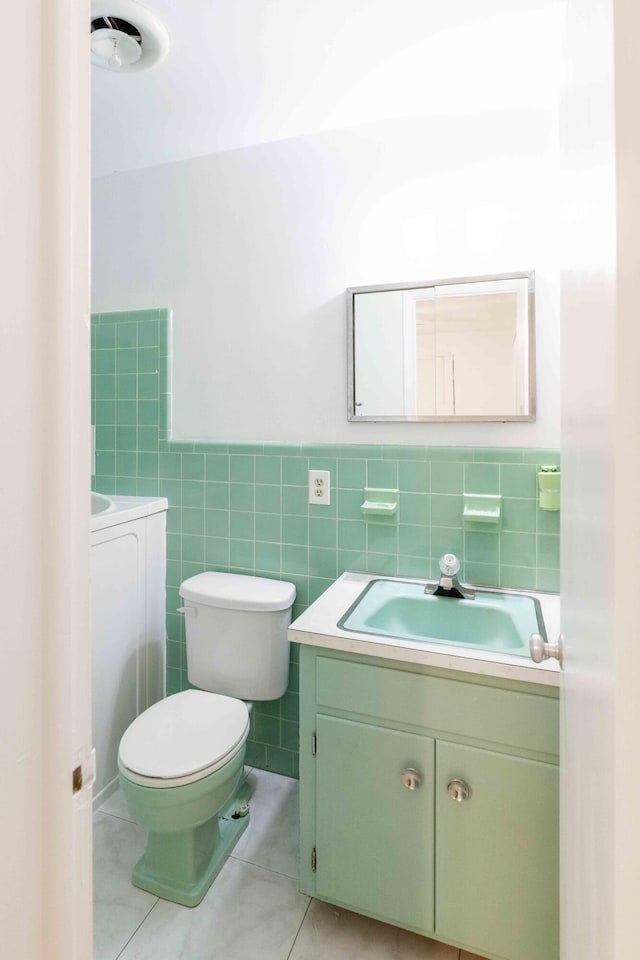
(45,871)
(600,798)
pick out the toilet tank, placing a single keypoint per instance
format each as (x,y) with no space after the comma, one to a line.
(236,629)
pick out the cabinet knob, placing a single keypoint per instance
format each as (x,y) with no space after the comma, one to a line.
(411,779)
(458,790)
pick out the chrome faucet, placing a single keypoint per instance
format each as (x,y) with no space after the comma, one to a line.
(448,585)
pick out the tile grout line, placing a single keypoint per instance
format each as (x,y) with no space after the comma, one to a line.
(295,939)
(115,816)
(142,922)
(252,863)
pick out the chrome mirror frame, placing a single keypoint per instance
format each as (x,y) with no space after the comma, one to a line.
(531,369)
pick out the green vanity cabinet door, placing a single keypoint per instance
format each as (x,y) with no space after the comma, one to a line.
(374,836)
(497,854)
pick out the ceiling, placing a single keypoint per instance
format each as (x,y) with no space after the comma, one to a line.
(243,72)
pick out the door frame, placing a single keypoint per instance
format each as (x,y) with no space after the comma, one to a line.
(600,829)
(45,880)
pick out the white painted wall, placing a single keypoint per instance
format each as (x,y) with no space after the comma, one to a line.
(250,71)
(253,250)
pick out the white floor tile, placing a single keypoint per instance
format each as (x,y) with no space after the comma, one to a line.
(116,806)
(271,839)
(253,908)
(330,933)
(248,913)
(119,907)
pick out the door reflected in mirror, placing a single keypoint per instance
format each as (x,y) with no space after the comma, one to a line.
(458,349)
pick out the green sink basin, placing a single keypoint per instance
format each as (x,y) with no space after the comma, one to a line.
(495,620)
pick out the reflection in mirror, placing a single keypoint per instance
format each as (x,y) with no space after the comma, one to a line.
(446,350)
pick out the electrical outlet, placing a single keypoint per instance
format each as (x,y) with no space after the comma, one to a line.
(320,486)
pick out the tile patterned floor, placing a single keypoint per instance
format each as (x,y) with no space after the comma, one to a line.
(253,910)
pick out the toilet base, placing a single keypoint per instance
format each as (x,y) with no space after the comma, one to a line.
(170,869)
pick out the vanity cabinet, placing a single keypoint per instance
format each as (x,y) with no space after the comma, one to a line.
(496,861)
(429,799)
(369,831)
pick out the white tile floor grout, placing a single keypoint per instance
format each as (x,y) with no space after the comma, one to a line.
(293,945)
(253,910)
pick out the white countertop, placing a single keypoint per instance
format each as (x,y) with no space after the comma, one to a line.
(317,627)
(126,509)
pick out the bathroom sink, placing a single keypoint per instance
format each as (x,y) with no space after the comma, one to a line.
(101,504)
(495,620)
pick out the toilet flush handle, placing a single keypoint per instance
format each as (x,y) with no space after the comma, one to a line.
(188,611)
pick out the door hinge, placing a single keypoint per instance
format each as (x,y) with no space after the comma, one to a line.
(314,859)
(314,744)
(84,774)
(77,779)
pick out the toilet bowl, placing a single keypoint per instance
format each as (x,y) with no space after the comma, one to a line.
(181,761)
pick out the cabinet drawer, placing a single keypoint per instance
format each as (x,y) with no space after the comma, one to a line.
(513,719)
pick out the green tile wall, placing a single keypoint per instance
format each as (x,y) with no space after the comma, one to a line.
(243,507)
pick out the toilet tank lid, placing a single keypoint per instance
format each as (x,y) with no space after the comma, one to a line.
(235,591)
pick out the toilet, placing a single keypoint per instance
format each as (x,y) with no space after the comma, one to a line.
(180,762)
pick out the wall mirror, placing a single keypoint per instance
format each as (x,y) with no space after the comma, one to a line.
(460,349)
